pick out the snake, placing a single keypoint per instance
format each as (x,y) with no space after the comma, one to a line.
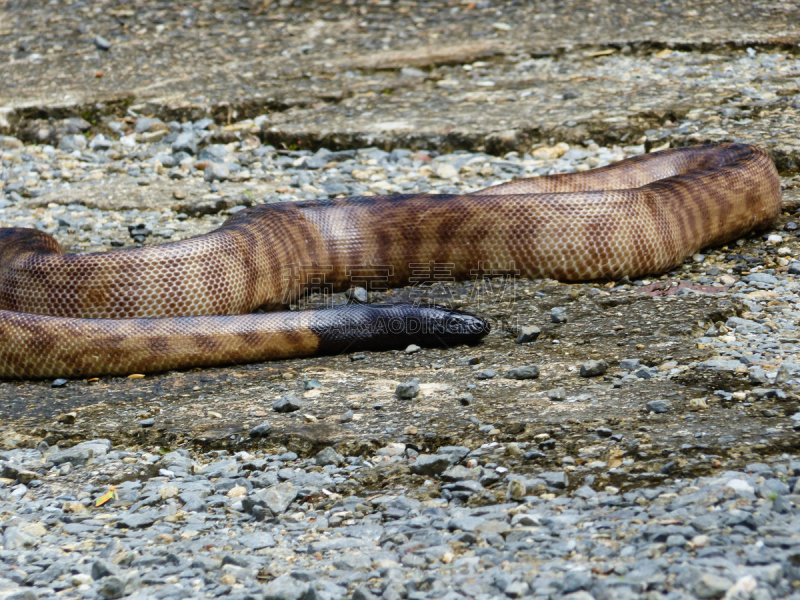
(193,302)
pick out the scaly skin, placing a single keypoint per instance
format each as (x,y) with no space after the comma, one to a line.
(644,215)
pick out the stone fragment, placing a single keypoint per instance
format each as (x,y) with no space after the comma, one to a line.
(629,364)
(430,464)
(456,453)
(711,585)
(696,404)
(659,406)
(593,368)
(213,153)
(527,372)
(102,568)
(555,479)
(465,523)
(257,541)
(137,521)
(276,498)
(311,384)
(260,430)
(185,142)
(762,277)
(785,372)
(288,403)
(408,389)
(460,472)
(216,172)
(516,490)
(758,375)
(81,453)
(527,333)
(517,589)
(329,456)
(15,539)
(744,325)
(721,364)
(112,587)
(577,579)
(362,592)
(149,124)
(446,171)
(101,43)
(70,143)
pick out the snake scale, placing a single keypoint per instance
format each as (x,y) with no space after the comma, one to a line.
(188,303)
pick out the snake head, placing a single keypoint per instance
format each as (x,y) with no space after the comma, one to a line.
(441,326)
(394,326)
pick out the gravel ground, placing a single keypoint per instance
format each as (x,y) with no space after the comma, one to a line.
(270,526)
(68,189)
(632,439)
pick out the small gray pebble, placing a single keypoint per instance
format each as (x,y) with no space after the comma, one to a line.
(577,579)
(528,333)
(593,368)
(101,43)
(472,360)
(213,153)
(362,592)
(216,172)
(185,142)
(145,124)
(111,587)
(329,456)
(555,479)
(357,294)
(102,568)
(261,430)
(711,585)
(288,403)
(430,464)
(527,372)
(758,375)
(310,384)
(486,374)
(408,389)
(659,406)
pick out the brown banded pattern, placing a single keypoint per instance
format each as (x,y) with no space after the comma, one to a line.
(643,215)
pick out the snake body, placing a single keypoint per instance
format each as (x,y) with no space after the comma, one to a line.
(141,309)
